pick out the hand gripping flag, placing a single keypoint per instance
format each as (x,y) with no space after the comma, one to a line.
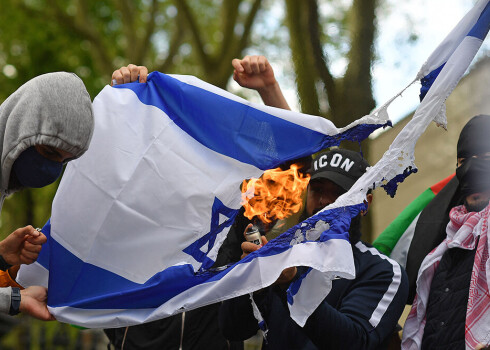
(137,222)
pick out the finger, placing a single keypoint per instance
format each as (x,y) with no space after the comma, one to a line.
(34,233)
(39,240)
(143,73)
(235,76)
(246,65)
(264,240)
(126,75)
(237,64)
(25,260)
(246,229)
(117,78)
(262,62)
(248,247)
(255,64)
(27,257)
(22,232)
(133,71)
(33,248)
(126,72)
(114,77)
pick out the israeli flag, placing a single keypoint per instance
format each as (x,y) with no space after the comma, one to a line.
(461,44)
(138,220)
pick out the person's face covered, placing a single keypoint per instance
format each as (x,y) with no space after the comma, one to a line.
(474,177)
(473,169)
(39,166)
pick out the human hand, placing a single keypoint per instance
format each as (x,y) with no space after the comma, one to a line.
(286,275)
(249,247)
(253,72)
(129,74)
(22,246)
(33,303)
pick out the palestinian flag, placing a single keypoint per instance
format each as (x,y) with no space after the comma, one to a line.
(405,222)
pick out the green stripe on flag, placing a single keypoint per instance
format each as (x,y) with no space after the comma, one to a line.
(387,240)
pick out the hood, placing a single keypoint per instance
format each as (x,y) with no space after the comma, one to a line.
(52,109)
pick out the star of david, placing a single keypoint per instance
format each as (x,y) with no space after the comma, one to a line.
(196,248)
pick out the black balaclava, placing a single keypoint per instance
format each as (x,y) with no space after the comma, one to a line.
(474,140)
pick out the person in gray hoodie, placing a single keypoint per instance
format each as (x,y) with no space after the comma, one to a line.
(45,123)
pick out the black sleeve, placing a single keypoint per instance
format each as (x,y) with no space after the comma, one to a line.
(359,322)
(231,250)
(236,319)
(430,230)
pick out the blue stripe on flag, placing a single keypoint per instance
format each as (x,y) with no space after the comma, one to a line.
(44,255)
(480,29)
(392,185)
(295,285)
(428,80)
(92,287)
(247,134)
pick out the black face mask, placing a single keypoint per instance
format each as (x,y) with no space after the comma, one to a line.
(474,176)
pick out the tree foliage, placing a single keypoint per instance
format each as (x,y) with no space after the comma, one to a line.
(341,99)
(93,37)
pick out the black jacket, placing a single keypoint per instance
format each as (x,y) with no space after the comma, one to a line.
(357,314)
(448,300)
(430,230)
(195,329)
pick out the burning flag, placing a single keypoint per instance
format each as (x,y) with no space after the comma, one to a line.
(138,221)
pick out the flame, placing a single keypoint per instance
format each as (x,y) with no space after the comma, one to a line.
(275,195)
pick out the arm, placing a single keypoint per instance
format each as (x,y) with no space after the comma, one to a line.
(236,319)
(255,72)
(356,322)
(32,302)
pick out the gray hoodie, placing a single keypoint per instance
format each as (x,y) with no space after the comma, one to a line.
(52,109)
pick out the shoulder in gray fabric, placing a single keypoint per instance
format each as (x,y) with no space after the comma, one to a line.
(52,109)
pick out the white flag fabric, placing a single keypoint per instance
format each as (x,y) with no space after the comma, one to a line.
(398,161)
(138,220)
